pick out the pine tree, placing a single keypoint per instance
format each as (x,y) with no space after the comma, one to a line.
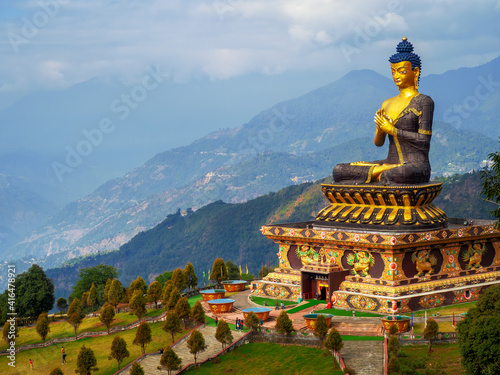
(85,296)
(136,369)
(143,336)
(166,291)
(172,324)
(6,330)
(75,314)
(183,310)
(252,322)
(223,334)
(137,304)
(196,344)
(175,296)
(105,294)
(116,292)
(190,276)
(92,297)
(119,350)
(86,362)
(219,271)
(320,328)
(284,325)
(431,331)
(178,279)
(43,325)
(170,361)
(137,285)
(334,340)
(107,315)
(197,313)
(154,292)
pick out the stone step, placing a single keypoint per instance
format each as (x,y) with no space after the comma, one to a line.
(359,329)
(365,357)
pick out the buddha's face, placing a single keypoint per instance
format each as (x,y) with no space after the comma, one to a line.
(403,75)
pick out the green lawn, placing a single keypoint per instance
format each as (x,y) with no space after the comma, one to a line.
(418,328)
(28,335)
(446,355)
(46,359)
(309,303)
(362,338)
(271,302)
(359,314)
(265,358)
(192,300)
(445,310)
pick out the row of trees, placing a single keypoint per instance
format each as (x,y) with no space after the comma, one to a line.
(227,270)
(99,284)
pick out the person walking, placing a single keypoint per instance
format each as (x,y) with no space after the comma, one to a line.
(63,351)
(31,364)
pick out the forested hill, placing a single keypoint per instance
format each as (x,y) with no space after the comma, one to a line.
(231,231)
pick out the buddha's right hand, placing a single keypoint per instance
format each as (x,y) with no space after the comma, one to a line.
(384,122)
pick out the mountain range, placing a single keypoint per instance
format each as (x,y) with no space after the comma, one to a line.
(295,141)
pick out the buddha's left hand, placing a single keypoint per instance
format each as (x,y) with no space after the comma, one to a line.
(384,122)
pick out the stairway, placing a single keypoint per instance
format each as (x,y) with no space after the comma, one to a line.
(365,357)
(354,328)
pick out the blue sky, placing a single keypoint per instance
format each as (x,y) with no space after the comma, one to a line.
(65,42)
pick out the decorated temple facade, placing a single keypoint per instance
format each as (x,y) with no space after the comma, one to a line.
(383,272)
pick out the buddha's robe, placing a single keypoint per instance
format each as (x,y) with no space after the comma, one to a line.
(408,149)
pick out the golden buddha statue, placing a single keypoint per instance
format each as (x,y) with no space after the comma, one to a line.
(407,121)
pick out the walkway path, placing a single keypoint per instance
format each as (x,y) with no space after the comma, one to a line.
(150,363)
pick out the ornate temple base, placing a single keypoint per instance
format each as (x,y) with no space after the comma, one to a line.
(381,208)
(386,272)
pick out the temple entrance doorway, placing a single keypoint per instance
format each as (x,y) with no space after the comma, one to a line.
(321,284)
(324,293)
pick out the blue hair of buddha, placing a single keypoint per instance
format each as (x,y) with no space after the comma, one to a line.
(405,53)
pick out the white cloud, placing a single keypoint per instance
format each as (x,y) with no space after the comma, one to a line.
(226,38)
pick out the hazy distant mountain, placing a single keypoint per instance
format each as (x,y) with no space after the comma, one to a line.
(295,141)
(22,210)
(143,122)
